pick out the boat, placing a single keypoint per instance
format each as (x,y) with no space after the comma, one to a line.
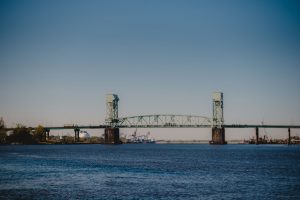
(141,139)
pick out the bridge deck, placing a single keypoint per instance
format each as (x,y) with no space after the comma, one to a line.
(166,126)
(260,126)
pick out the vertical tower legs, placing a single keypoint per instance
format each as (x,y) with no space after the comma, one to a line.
(111,135)
(218,136)
(218,131)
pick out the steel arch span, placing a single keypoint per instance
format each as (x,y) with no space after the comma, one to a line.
(164,121)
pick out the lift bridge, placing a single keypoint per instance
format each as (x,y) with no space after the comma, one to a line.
(113,122)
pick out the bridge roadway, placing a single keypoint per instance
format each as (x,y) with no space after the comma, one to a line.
(170,126)
(164,126)
(162,121)
(259,126)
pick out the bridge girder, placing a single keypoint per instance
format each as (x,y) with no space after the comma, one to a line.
(164,121)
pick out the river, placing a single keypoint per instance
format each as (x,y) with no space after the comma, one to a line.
(149,171)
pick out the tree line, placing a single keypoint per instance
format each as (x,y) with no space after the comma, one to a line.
(21,134)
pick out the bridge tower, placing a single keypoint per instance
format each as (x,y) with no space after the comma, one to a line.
(111,133)
(218,131)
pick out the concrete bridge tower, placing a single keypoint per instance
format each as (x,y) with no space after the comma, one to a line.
(111,133)
(218,131)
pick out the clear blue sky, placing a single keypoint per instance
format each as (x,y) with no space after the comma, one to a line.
(58,59)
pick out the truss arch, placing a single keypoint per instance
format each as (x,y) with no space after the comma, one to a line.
(164,121)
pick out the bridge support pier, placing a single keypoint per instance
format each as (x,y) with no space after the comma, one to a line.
(256,136)
(218,136)
(289,136)
(47,132)
(76,138)
(111,135)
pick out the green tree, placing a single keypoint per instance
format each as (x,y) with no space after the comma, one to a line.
(39,133)
(21,135)
(2,131)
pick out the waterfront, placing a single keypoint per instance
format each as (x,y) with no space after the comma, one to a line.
(152,171)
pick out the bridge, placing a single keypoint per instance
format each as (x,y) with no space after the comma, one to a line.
(113,122)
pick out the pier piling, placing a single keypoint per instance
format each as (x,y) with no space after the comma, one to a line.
(111,135)
(289,136)
(76,137)
(256,135)
(47,132)
(218,136)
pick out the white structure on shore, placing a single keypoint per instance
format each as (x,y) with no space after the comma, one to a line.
(84,134)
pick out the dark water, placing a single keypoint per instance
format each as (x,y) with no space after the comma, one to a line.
(149,172)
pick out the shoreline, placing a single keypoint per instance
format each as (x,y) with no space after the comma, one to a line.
(158,143)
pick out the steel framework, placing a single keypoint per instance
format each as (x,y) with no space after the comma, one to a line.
(164,121)
(111,109)
(218,118)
